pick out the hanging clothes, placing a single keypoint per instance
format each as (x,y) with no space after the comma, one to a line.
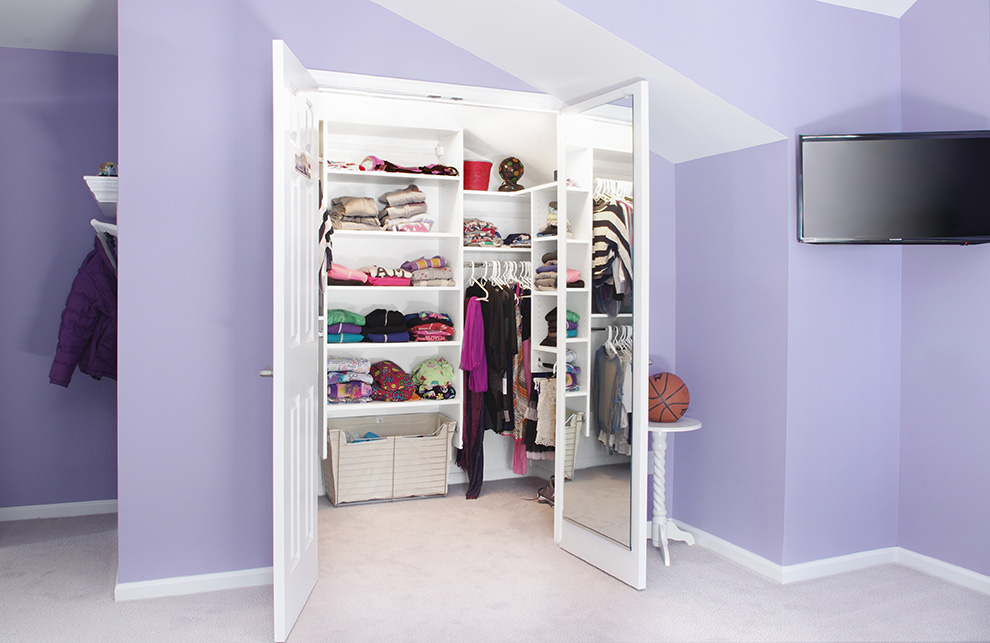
(498,313)
(612,381)
(87,336)
(539,388)
(521,380)
(611,261)
(471,456)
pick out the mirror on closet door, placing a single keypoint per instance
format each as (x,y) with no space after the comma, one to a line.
(598,437)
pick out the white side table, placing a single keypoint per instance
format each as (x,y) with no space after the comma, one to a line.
(664,529)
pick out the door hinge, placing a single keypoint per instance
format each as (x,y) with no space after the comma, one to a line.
(266,372)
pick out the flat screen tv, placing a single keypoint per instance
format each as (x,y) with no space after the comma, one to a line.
(905,188)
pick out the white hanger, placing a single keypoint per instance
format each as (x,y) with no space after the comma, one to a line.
(102,230)
(482,284)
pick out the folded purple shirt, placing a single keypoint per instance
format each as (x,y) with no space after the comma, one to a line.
(388,337)
(333,329)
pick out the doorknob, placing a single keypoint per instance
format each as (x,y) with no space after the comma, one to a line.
(266,372)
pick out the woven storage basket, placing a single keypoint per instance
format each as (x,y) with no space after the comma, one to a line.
(410,459)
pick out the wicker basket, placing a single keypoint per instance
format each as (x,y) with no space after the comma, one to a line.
(409,459)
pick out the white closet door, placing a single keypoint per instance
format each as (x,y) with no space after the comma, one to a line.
(296,367)
(583,531)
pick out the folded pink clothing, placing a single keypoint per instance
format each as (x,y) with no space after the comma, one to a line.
(416,226)
(343,273)
(388,281)
(432,333)
(431,338)
(573,275)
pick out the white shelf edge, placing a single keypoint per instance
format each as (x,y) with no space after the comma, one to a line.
(391,289)
(370,345)
(483,194)
(104,190)
(350,409)
(391,176)
(496,250)
(392,234)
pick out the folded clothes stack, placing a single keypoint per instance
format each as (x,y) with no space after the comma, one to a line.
(375,164)
(354,213)
(348,379)
(430,272)
(478,232)
(434,379)
(385,326)
(382,276)
(549,228)
(391,383)
(341,275)
(344,327)
(405,210)
(572,372)
(546,274)
(430,327)
(518,240)
(572,324)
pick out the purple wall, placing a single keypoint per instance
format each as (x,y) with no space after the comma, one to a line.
(731,348)
(663,292)
(195,293)
(58,122)
(945,439)
(770,333)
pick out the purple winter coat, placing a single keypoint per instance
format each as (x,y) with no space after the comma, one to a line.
(88,334)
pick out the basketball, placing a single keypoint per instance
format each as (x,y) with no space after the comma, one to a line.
(669,397)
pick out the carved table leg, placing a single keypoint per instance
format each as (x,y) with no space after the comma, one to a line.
(659,522)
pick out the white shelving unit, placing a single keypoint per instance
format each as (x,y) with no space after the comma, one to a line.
(104,189)
(422,133)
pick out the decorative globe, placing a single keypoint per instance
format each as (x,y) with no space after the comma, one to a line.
(511,170)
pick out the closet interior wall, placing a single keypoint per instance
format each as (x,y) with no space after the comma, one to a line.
(419,131)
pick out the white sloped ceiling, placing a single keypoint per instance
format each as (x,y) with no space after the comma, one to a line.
(561,53)
(892,8)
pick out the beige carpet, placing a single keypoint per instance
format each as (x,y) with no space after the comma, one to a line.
(448,569)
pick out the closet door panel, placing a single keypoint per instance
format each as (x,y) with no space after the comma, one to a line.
(600,511)
(297,395)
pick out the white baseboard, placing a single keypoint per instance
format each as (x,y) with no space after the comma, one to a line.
(946,571)
(735,553)
(839,564)
(59,510)
(196,584)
